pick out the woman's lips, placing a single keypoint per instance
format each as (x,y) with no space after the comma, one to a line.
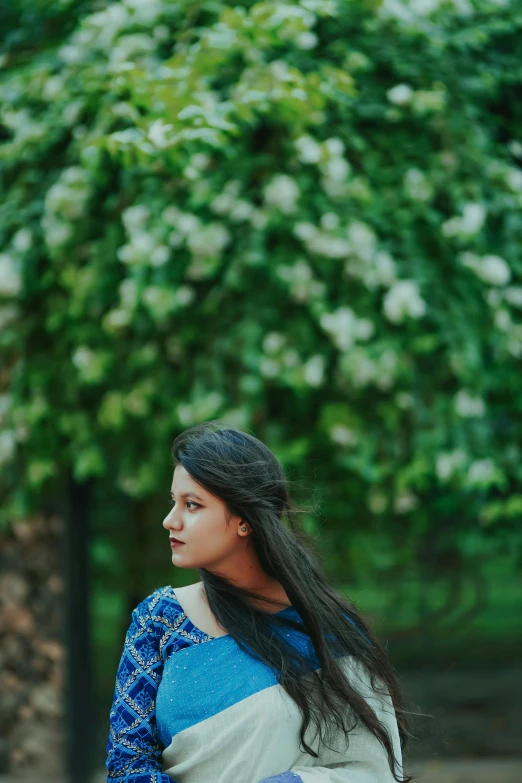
(176,543)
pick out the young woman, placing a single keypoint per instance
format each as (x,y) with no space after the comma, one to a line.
(260,672)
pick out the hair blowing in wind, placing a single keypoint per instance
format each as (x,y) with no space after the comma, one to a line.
(244,473)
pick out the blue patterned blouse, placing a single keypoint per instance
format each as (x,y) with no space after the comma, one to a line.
(192,708)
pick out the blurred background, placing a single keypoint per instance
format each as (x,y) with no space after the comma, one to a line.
(302,218)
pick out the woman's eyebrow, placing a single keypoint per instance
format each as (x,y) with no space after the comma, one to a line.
(187,494)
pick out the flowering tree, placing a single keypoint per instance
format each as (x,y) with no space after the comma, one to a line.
(279,214)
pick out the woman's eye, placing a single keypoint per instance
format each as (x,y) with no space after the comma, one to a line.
(189,502)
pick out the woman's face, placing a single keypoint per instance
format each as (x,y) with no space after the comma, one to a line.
(198,519)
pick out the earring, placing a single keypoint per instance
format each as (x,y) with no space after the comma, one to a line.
(243,529)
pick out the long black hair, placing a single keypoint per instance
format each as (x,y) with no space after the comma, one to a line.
(244,473)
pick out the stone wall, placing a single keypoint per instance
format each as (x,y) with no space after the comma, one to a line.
(31,648)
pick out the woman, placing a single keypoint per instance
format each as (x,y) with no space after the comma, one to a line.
(219,684)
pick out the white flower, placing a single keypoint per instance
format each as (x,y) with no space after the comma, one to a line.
(494,270)
(401,94)
(362,370)
(405,400)
(269,368)
(345,328)
(282,192)
(56,233)
(342,435)
(273,342)
(22,240)
(329,221)
(417,185)
(448,462)
(362,239)
(341,326)
(470,260)
(384,270)
(83,357)
(191,173)
(158,133)
(308,150)
(67,198)
(363,328)
(280,70)
(10,276)
(481,470)
(503,320)
(242,210)
(493,297)
(404,502)
(514,342)
(394,9)
(304,231)
(306,40)
(5,402)
(387,366)
(200,160)
(463,7)
(160,255)
(70,54)
(7,446)
(299,276)
(171,215)
(175,239)
(290,358)
(233,186)
(161,32)
(185,295)
(336,169)
(468,406)
(223,203)
(283,13)
(53,87)
(513,295)
(134,218)
(515,147)
(424,7)
(331,247)
(117,318)
(334,188)
(144,242)
(490,268)
(314,370)
(334,146)
(144,11)
(188,223)
(209,240)
(129,292)
(185,414)
(259,219)
(451,227)
(472,220)
(402,300)
(514,179)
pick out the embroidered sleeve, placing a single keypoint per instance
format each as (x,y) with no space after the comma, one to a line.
(133,748)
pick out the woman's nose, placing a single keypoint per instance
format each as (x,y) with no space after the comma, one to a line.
(169,519)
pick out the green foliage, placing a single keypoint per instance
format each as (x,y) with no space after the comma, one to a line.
(304,218)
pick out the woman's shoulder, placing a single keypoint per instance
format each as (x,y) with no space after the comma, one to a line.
(161,616)
(161,604)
